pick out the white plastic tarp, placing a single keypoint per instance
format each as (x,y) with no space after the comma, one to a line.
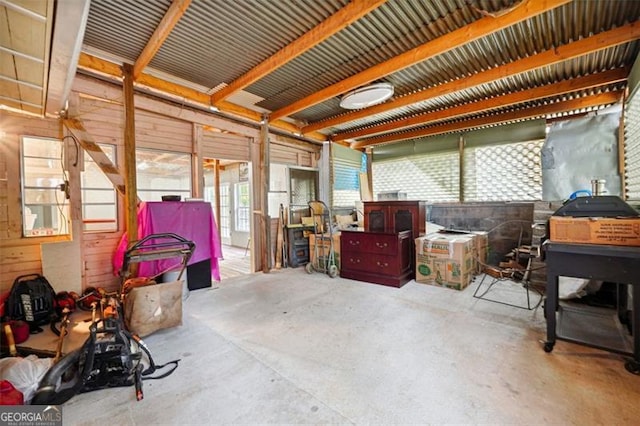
(578,151)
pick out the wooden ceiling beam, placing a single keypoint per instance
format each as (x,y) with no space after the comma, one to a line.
(601,41)
(335,23)
(94,64)
(478,29)
(168,22)
(567,86)
(602,99)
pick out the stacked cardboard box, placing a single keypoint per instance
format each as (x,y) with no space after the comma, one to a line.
(445,260)
(480,247)
(480,250)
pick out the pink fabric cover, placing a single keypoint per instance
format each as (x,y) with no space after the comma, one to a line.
(192,220)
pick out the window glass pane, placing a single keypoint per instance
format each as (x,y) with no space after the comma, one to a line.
(225,219)
(345,175)
(242,207)
(162,173)
(99,202)
(45,207)
(99,217)
(41,173)
(43,196)
(92,195)
(42,148)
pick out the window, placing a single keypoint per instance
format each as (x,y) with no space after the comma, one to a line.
(162,173)
(224,211)
(45,207)
(99,209)
(346,166)
(242,206)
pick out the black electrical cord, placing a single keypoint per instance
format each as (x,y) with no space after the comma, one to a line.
(77,145)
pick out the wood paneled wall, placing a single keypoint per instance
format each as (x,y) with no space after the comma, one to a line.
(18,255)
(99,107)
(105,122)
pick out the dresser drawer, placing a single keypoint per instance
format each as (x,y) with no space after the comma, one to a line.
(377,257)
(368,243)
(374,263)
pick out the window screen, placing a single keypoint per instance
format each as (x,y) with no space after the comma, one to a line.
(491,173)
(503,172)
(431,177)
(632,147)
(346,166)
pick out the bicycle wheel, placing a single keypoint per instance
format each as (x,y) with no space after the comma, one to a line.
(61,382)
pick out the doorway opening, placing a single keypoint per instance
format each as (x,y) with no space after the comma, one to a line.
(227,186)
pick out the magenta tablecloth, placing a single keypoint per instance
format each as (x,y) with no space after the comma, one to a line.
(192,220)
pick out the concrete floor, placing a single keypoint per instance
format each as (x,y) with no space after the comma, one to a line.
(287,347)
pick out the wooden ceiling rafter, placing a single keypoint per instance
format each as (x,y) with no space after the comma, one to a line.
(481,28)
(602,99)
(477,107)
(94,64)
(335,23)
(594,43)
(162,31)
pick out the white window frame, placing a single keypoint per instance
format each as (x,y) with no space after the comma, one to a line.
(242,207)
(48,193)
(106,223)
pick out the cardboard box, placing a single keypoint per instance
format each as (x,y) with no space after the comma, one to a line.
(153,307)
(445,260)
(323,249)
(595,230)
(480,250)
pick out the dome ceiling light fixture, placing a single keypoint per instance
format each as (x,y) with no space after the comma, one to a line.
(367,96)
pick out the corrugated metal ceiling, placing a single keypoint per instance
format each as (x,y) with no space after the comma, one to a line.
(218,41)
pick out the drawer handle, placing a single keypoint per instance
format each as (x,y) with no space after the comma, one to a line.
(352,260)
(382,264)
(354,243)
(381,245)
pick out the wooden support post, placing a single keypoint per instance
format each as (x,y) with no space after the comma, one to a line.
(131,187)
(197,170)
(264,191)
(369,153)
(461,168)
(216,188)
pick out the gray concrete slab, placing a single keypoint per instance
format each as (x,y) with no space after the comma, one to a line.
(288,347)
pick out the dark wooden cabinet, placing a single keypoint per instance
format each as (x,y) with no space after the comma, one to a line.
(395,216)
(298,245)
(377,257)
